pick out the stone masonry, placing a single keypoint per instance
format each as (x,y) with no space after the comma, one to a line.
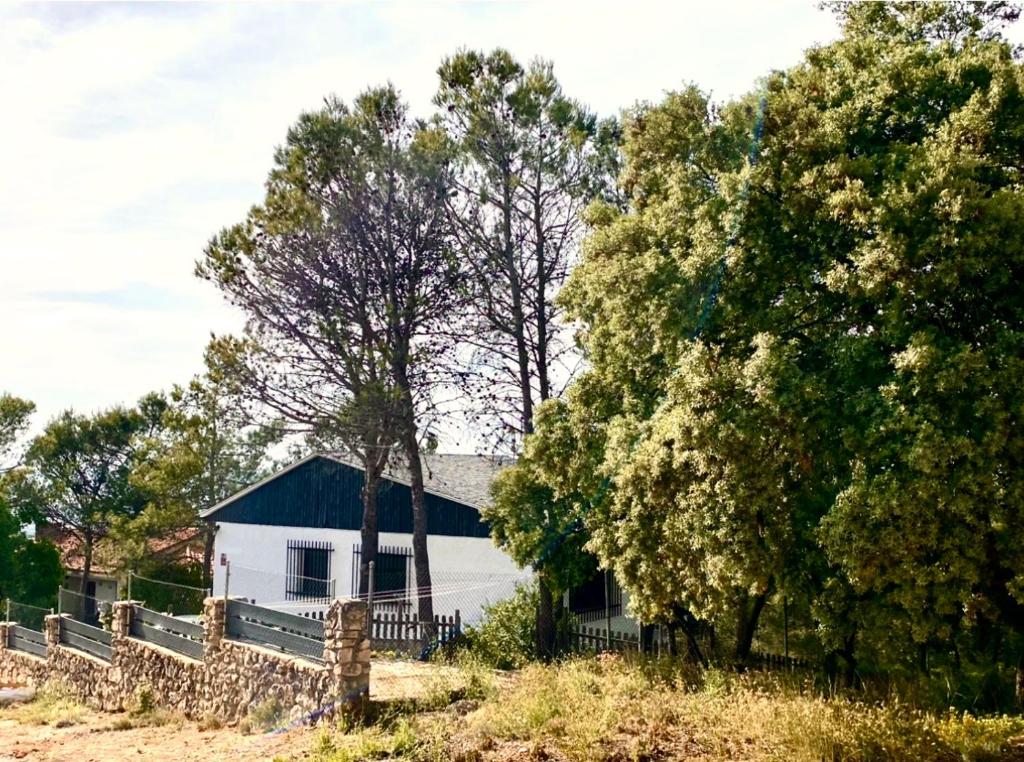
(18,668)
(230,680)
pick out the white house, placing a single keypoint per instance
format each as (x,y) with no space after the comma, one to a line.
(292,541)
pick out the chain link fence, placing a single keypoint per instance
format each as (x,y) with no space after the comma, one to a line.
(26,615)
(80,607)
(459,599)
(165,597)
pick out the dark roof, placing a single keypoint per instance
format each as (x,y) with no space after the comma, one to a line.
(464,479)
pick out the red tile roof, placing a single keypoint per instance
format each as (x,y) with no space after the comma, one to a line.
(180,545)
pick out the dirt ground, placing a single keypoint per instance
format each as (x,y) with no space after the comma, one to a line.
(94,738)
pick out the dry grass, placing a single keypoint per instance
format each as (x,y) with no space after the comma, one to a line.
(52,705)
(609,709)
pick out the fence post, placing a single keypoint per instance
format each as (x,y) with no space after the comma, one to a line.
(214,622)
(52,626)
(227,580)
(785,625)
(369,600)
(60,598)
(129,584)
(607,612)
(7,610)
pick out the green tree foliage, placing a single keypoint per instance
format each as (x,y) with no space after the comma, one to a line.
(206,449)
(14,417)
(529,520)
(30,569)
(78,472)
(806,344)
(531,159)
(505,639)
(346,274)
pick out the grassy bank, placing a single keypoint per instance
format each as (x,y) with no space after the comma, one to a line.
(609,709)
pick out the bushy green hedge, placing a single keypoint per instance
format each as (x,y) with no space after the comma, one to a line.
(505,637)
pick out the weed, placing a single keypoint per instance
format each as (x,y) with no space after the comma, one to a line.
(142,700)
(53,705)
(153,718)
(210,722)
(263,716)
(611,708)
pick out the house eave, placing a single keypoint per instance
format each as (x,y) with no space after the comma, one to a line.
(210,513)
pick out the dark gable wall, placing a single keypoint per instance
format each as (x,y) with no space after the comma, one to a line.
(324,493)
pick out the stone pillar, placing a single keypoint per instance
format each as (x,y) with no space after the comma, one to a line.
(214,612)
(121,618)
(51,628)
(347,649)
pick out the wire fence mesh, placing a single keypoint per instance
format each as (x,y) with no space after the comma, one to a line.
(80,607)
(25,614)
(458,599)
(172,598)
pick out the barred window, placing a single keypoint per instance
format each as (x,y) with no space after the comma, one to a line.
(391,572)
(309,570)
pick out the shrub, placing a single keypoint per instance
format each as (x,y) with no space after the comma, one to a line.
(505,637)
(141,701)
(264,716)
(52,705)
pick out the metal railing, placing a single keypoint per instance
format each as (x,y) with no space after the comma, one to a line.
(289,632)
(24,614)
(175,634)
(172,598)
(85,637)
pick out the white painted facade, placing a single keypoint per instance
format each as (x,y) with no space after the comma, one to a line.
(467,572)
(106,586)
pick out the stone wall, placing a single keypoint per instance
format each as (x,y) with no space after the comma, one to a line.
(17,668)
(230,680)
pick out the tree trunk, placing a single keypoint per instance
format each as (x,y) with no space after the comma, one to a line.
(84,610)
(545,621)
(516,292)
(420,557)
(1018,684)
(208,540)
(368,531)
(687,622)
(748,621)
(541,306)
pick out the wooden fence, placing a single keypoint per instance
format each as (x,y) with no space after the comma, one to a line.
(595,639)
(178,635)
(289,632)
(401,630)
(759,660)
(23,639)
(86,638)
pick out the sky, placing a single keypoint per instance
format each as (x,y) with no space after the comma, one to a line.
(132,133)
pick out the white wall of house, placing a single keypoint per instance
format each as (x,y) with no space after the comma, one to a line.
(467,572)
(106,587)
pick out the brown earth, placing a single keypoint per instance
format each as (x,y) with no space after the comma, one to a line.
(95,737)
(95,740)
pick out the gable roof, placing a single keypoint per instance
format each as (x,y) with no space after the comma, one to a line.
(179,545)
(464,479)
